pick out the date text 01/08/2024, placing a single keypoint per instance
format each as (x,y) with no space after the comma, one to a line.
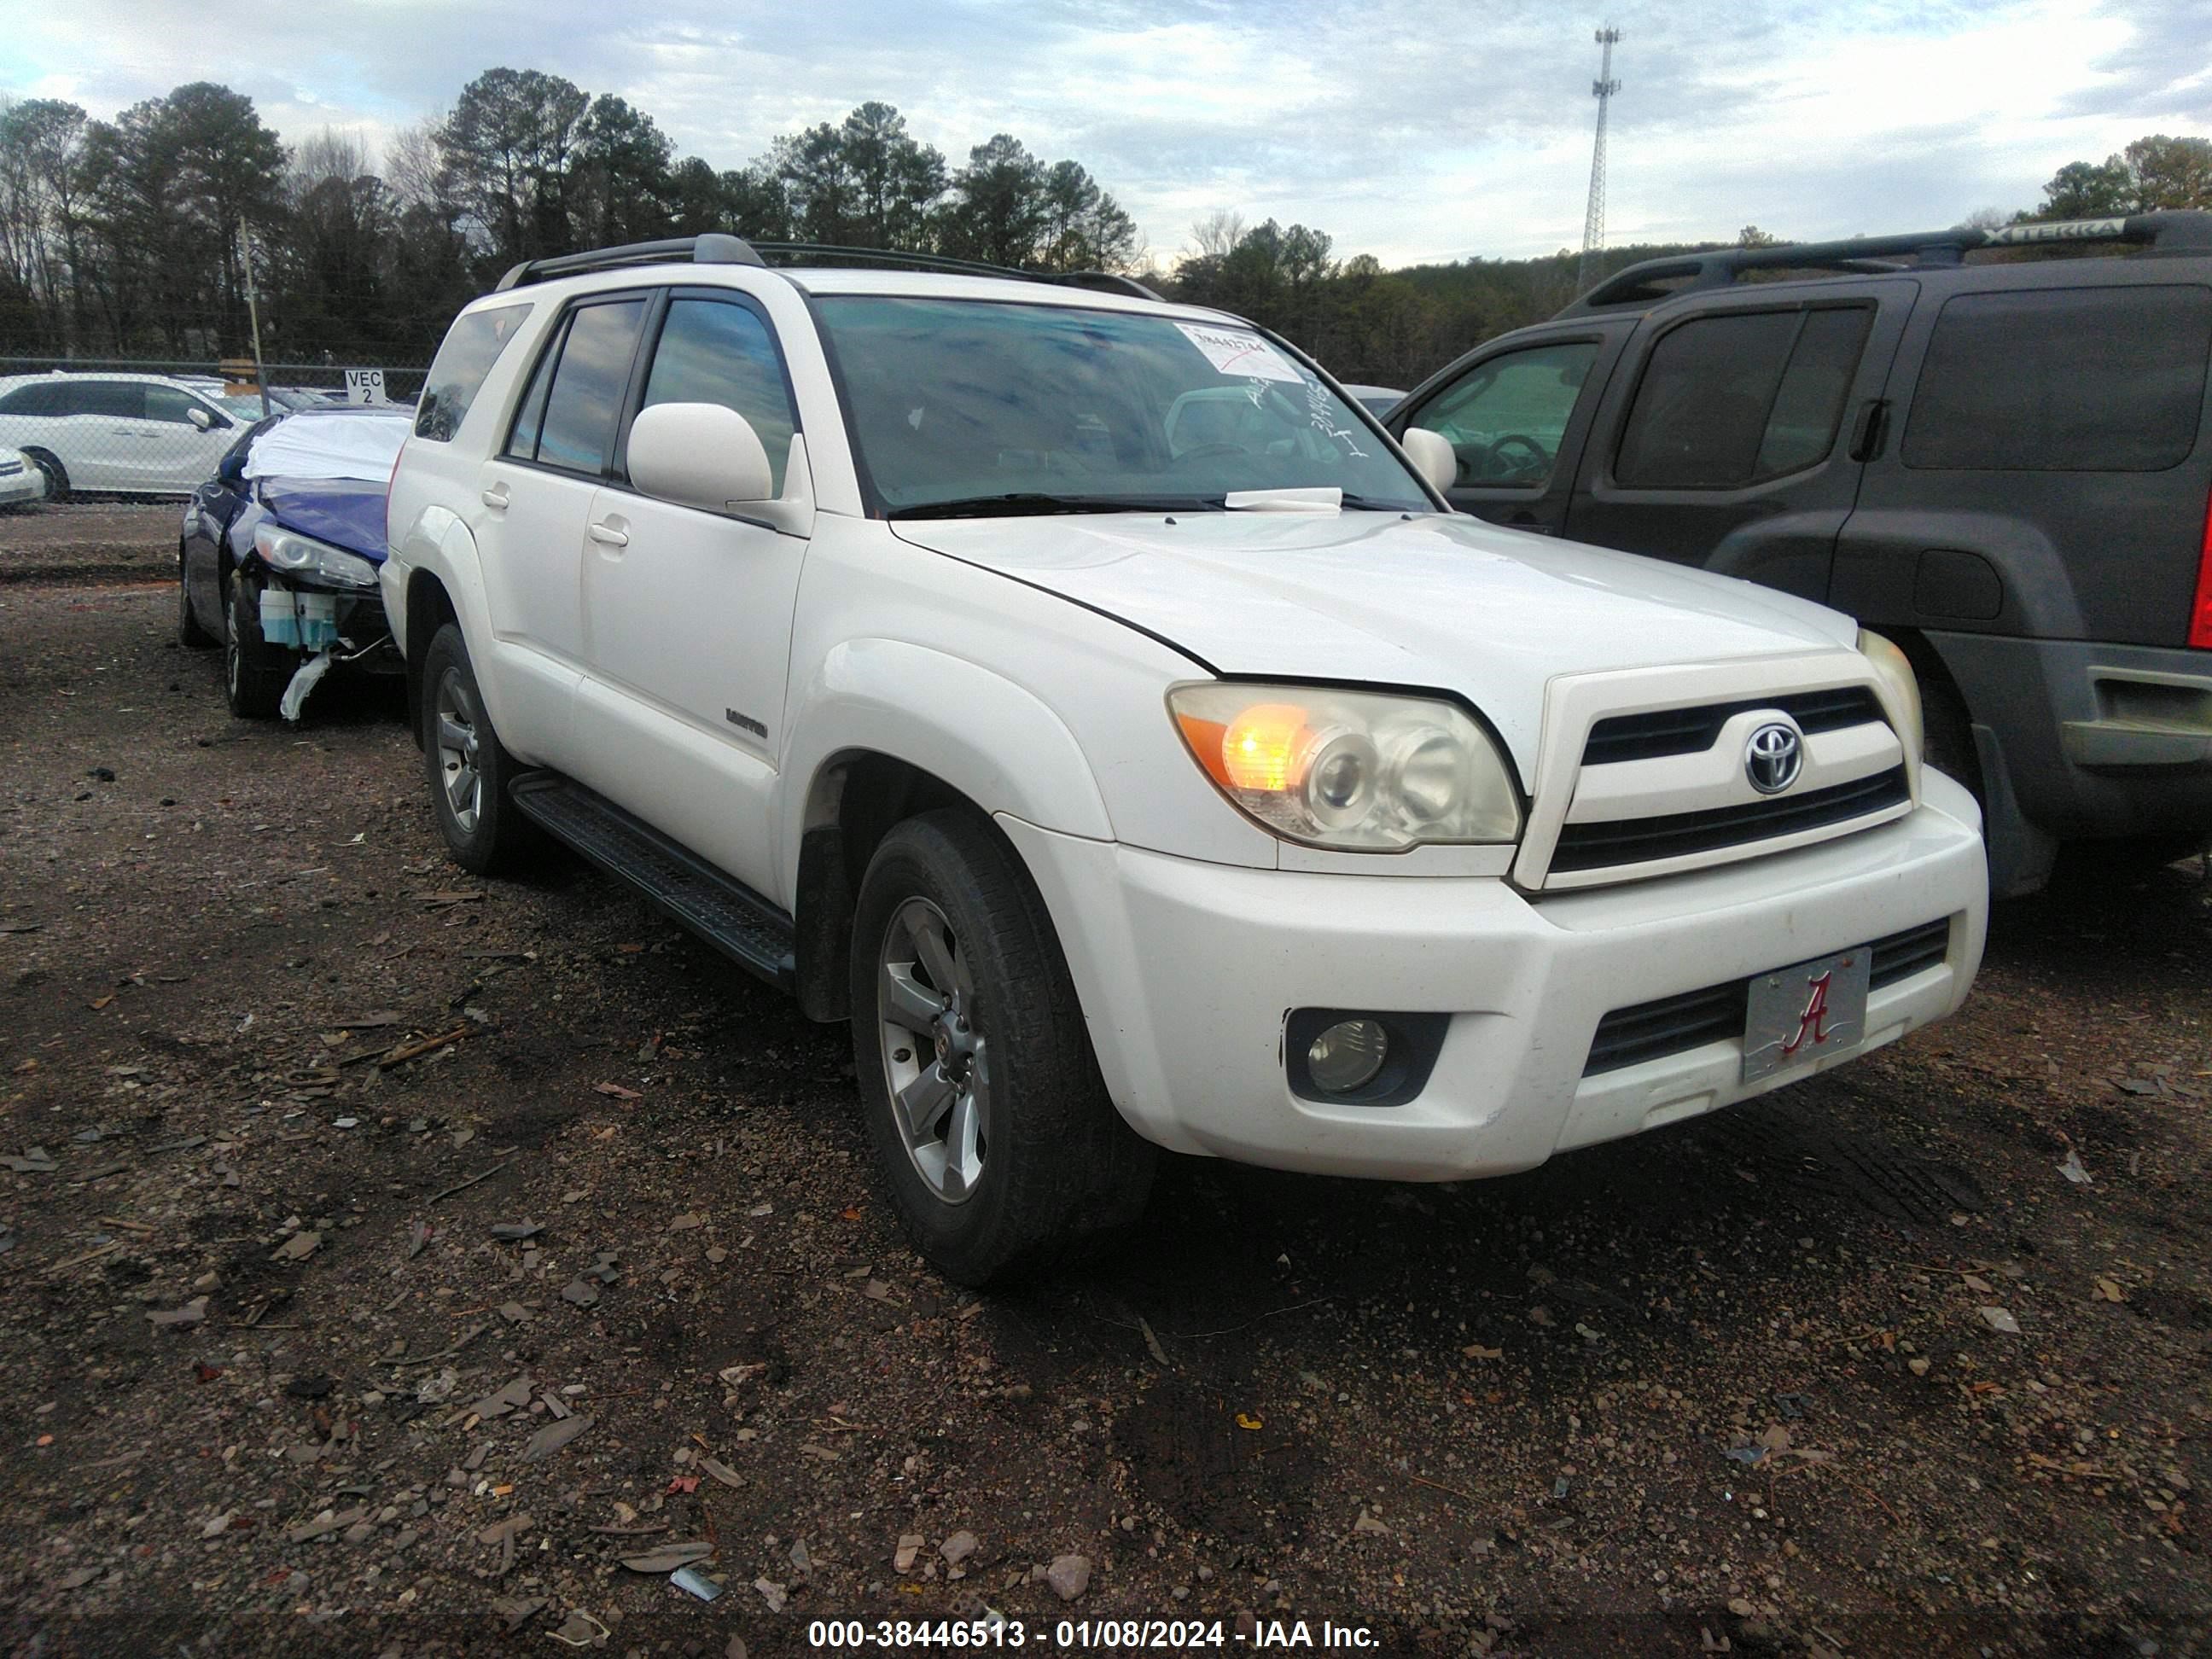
(1111,1635)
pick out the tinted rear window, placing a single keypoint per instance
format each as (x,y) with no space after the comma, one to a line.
(2093,380)
(472,345)
(1741,397)
(587,387)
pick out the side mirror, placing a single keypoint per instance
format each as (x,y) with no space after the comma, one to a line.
(199,417)
(701,455)
(1432,457)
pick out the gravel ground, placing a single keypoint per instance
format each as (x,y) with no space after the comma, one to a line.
(385,1256)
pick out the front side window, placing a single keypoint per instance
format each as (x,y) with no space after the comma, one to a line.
(584,397)
(2086,379)
(714,351)
(1741,398)
(1504,419)
(168,404)
(976,409)
(471,347)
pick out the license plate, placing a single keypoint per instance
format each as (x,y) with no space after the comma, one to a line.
(1801,1014)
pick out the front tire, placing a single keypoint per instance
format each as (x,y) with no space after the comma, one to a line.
(469,768)
(991,1124)
(57,478)
(254,672)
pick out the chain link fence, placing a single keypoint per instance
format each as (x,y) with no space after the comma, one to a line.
(154,428)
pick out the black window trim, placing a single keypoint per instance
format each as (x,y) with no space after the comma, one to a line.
(1578,336)
(557,341)
(1803,308)
(655,324)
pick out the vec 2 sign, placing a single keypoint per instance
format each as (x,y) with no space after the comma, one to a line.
(365,385)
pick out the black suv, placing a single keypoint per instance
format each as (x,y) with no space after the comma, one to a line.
(2004,464)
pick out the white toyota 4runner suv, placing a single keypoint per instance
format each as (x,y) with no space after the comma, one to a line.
(1085,698)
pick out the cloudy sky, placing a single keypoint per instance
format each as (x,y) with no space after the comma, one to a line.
(1413,130)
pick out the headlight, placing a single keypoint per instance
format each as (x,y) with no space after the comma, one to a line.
(1362,771)
(286,550)
(1894,671)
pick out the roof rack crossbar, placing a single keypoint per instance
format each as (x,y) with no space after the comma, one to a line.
(712,249)
(2166,232)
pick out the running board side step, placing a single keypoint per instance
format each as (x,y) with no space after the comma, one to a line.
(683,887)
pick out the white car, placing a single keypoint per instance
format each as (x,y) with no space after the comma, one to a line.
(133,434)
(1231,796)
(20,481)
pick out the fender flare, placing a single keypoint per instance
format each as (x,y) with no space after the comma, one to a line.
(994,741)
(440,545)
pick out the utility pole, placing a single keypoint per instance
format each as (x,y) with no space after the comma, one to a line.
(253,314)
(1603,89)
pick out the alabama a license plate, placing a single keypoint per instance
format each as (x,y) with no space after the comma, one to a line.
(1801,1014)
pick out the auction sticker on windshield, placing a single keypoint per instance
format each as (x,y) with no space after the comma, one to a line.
(1239,351)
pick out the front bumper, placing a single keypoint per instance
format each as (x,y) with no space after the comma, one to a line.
(312,616)
(1188,972)
(18,487)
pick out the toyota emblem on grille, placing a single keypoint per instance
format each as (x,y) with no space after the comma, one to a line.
(1773,758)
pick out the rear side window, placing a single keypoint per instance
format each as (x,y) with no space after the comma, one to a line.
(34,400)
(583,398)
(1505,419)
(714,351)
(1741,398)
(472,346)
(2084,380)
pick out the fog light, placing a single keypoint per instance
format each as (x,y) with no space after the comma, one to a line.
(1347,1056)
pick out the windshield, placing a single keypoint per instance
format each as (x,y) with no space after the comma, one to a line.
(980,407)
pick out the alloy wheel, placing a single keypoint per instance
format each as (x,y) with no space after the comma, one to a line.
(935,1059)
(458,749)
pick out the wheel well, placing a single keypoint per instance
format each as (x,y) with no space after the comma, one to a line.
(429,608)
(1945,717)
(854,800)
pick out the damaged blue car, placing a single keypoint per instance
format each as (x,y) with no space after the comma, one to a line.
(278,555)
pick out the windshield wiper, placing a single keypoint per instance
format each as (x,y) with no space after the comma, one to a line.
(1026,503)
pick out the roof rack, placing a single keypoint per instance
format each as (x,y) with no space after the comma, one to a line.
(717,249)
(712,249)
(1102,280)
(2166,233)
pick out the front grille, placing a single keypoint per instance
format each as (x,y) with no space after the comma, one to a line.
(1644,840)
(1676,1024)
(1903,955)
(1694,730)
(1671,1025)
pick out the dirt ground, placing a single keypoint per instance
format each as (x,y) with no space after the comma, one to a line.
(387,1255)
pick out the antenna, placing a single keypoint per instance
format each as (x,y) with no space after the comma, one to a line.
(1603,89)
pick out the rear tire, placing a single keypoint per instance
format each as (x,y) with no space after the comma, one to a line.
(189,631)
(992,1126)
(469,769)
(254,672)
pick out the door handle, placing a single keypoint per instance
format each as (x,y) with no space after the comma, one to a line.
(1870,431)
(495,497)
(607,536)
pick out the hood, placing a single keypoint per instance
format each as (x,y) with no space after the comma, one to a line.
(346,512)
(1433,601)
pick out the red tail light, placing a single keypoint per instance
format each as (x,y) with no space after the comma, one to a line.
(2200,613)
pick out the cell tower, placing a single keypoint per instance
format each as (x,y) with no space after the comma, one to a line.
(1603,89)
